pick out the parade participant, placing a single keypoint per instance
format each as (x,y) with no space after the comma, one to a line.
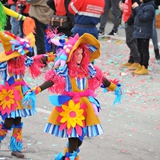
(74,80)
(40,12)
(29,24)
(13,62)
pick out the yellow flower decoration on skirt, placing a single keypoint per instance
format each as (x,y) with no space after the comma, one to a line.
(72,116)
(8,99)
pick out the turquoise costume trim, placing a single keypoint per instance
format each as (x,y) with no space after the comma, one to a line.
(15,141)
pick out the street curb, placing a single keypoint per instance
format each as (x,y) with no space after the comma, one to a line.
(121,38)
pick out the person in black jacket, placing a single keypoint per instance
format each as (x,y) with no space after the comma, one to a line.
(154,32)
(133,61)
(143,27)
(70,16)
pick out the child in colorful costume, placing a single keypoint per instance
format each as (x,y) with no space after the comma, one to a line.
(75,80)
(13,62)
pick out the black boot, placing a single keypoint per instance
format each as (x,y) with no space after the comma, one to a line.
(157,56)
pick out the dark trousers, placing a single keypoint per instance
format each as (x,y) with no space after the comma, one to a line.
(143,48)
(132,44)
(39,36)
(116,12)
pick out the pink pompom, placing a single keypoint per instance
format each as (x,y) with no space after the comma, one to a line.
(36,66)
(59,81)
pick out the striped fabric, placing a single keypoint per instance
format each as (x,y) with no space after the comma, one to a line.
(18,76)
(90,131)
(3,71)
(5,75)
(92,71)
(21,113)
(81,83)
(63,72)
(68,84)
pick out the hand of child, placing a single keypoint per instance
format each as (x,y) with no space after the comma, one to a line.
(118,93)
(134,5)
(30,97)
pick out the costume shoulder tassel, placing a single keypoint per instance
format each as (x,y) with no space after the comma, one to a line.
(28,25)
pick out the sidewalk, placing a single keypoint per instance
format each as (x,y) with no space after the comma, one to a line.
(121,32)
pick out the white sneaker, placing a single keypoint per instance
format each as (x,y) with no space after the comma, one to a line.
(113,33)
(101,34)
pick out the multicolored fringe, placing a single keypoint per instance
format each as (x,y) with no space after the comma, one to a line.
(16,138)
(118,94)
(71,156)
(117,88)
(66,154)
(59,81)
(3,19)
(3,131)
(30,98)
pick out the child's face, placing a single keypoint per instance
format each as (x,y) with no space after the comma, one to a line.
(79,56)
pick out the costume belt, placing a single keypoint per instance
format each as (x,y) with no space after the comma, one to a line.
(58,100)
(85,93)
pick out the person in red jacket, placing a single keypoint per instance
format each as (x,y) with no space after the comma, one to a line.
(87,16)
(133,62)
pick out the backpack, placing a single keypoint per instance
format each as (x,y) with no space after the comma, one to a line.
(60,19)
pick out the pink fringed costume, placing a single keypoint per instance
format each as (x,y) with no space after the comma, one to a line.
(13,64)
(73,85)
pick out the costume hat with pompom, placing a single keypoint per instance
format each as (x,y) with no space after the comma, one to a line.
(15,46)
(92,43)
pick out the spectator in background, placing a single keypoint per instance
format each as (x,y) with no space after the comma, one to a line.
(14,23)
(56,7)
(143,23)
(133,61)
(22,7)
(40,12)
(87,16)
(116,14)
(155,36)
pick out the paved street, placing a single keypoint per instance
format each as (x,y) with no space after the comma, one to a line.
(131,129)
